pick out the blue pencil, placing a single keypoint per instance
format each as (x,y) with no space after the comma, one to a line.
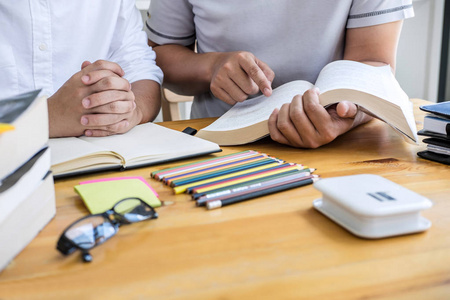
(223,172)
(190,189)
(174,177)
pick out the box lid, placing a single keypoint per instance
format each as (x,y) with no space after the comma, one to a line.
(370,195)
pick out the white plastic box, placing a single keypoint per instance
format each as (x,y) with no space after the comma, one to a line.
(371,206)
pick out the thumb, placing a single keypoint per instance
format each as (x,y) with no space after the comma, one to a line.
(346,109)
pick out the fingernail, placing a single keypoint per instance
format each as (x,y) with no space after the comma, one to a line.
(84,121)
(316,90)
(88,133)
(85,79)
(346,109)
(86,102)
(266,91)
(134,105)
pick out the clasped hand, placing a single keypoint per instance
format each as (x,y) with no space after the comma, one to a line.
(96,101)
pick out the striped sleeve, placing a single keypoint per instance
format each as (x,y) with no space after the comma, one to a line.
(374,12)
(170,22)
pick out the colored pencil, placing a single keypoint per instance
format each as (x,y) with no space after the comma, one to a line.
(205,163)
(228,193)
(161,173)
(240,179)
(196,195)
(243,178)
(234,179)
(215,167)
(182,188)
(265,191)
(217,173)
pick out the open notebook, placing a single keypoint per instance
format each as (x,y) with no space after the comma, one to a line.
(145,144)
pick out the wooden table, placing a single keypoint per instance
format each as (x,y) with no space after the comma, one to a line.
(274,247)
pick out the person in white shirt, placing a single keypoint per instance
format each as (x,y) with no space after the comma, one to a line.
(249,47)
(90,58)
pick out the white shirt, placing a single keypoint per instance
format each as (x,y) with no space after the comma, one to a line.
(44,42)
(296,38)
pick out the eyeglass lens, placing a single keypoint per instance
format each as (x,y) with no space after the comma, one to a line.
(91,231)
(133,210)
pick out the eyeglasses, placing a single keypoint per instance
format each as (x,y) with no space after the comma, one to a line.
(93,230)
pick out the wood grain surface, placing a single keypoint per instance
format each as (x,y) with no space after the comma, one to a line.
(273,247)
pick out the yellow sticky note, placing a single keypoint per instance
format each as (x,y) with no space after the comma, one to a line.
(103,195)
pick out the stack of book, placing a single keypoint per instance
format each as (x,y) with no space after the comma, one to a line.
(436,127)
(234,178)
(27,196)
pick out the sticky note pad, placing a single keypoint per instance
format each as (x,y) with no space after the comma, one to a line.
(101,195)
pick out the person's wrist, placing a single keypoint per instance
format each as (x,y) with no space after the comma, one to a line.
(138,117)
(214,62)
(52,126)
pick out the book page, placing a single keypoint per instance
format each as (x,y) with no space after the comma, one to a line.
(258,109)
(71,148)
(378,81)
(374,89)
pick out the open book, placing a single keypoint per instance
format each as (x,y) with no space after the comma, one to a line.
(145,144)
(374,89)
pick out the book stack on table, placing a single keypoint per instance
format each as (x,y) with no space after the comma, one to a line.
(436,127)
(27,195)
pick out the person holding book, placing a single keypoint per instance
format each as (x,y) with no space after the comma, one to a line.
(90,58)
(247,48)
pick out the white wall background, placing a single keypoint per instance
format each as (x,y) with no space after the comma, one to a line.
(419,51)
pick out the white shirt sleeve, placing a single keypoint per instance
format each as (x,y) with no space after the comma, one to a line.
(371,12)
(170,22)
(129,47)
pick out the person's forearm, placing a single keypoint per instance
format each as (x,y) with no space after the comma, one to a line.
(374,45)
(148,99)
(185,72)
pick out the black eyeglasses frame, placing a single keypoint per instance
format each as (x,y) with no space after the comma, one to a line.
(66,246)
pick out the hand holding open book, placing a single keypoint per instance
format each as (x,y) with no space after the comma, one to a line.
(374,89)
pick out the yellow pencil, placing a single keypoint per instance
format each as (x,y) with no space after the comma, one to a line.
(182,188)
(248,178)
(218,166)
